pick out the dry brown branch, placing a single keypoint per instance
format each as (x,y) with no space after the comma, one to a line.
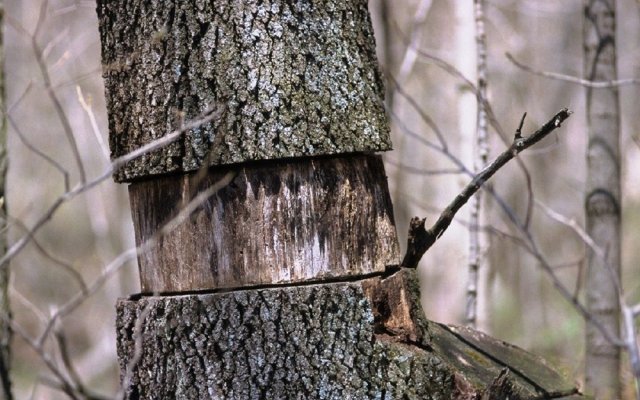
(453,71)
(527,242)
(420,239)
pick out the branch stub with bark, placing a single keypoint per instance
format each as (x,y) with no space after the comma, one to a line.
(421,239)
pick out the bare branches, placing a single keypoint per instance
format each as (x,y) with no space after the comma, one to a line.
(490,115)
(573,79)
(410,55)
(62,116)
(117,163)
(421,239)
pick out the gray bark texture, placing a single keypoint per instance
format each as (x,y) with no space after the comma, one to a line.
(286,78)
(365,339)
(602,203)
(276,222)
(5,309)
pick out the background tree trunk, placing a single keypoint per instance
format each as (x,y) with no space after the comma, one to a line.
(5,310)
(602,199)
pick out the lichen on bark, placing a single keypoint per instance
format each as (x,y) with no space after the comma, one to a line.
(288,79)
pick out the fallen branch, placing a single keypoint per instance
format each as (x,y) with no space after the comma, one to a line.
(420,239)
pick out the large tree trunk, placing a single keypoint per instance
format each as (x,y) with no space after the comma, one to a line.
(602,199)
(284,283)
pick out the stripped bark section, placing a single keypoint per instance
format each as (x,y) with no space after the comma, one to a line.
(277,222)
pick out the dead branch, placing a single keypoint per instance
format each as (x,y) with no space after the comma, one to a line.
(484,102)
(421,239)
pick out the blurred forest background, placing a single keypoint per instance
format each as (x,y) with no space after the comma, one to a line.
(517,301)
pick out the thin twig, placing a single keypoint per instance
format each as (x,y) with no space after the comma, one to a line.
(410,55)
(420,239)
(66,385)
(573,79)
(423,115)
(532,248)
(588,240)
(115,164)
(36,151)
(62,116)
(493,120)
(132,253)
(86,106)
(67,267)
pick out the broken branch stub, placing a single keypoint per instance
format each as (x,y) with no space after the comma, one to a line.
(421,239)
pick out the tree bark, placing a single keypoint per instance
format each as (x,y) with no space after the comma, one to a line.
(287,79)
(361,340)
(602,203)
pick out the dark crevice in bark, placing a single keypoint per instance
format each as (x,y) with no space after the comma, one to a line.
(388,272)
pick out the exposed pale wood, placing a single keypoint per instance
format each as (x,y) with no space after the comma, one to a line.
(277,222)
(289,79)
(318,342)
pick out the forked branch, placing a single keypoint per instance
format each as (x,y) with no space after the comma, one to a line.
(421,239)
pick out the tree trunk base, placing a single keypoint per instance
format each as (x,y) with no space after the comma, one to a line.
(364,339)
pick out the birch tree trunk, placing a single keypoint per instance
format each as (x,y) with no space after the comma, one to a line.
(285,282)
(602,203)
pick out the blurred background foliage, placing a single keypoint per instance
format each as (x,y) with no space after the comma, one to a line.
(517,302)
